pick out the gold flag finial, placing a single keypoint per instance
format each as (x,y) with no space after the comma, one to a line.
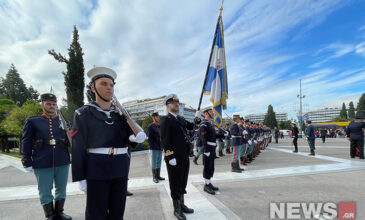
(221,9)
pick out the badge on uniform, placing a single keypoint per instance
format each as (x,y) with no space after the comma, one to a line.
(168,153)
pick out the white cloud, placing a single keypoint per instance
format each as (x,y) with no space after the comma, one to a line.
(161,47)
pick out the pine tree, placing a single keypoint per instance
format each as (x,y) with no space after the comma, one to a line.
(14,88)
(351,111)
(270,118)
(74,77)
(360,109)
(343,113)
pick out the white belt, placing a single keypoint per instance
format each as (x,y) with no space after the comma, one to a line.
(236,136)
(211,143)
(108,150)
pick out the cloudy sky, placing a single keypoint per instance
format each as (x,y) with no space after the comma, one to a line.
(162,46)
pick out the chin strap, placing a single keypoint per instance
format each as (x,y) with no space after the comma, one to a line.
(105,100)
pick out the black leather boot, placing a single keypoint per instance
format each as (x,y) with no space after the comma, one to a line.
(195,160)
(238,166)
(296,150)
(234,168)
(213,187)
(154,176)
(158,174)
(312,153)
(184,208)
(208,189)
(59,210)
(49,211)
(177,209)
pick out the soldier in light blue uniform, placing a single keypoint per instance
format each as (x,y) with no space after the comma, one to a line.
(236,133)
(45,150)
(243,147)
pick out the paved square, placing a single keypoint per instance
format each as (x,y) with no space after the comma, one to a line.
(277,175)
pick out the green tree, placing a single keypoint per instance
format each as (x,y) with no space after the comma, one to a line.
(270,118)
(339,118)
(360,109)
(284,125)
(14,88)
(6,106)
(146,121)
(351,111)
(14,123)
(89,94)
(343,113)
(74,77)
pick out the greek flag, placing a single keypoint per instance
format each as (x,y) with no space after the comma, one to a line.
(216,78)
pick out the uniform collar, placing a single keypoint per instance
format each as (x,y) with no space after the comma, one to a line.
(175,115)
(45,116)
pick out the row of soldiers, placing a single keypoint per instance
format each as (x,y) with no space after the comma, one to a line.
(244,139)
(101,136)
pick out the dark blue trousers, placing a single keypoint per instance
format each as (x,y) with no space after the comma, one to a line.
(106,199)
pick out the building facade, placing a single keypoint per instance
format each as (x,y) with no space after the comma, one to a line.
(140,109)
(261,117)
(322,115)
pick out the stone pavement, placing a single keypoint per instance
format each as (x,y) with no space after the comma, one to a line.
(277,175)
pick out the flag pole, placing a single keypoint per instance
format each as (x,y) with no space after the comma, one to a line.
(210,56)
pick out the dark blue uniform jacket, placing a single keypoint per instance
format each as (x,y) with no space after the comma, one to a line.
(38,129)
(153,132)
(207,136)
(236,133)
(93,129)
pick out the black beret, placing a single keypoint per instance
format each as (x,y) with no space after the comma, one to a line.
(48,97)
(154,114)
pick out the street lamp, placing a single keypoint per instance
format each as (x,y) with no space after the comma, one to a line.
(300,96)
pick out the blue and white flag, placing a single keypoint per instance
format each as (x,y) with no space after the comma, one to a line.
(216,82)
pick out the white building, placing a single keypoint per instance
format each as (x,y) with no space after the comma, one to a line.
(140,109)
(323,115)
(261,117)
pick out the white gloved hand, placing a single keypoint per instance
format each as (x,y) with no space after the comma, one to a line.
(249,142)
(141,136)
(244,132)
(255,142)
(198,114)
(29,169)
(172,162)
(83,185)
(226,134)
(207,154)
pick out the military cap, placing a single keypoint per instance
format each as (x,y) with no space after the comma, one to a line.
(293,123)
(236,116)
(241,118)
(247,120)
(359,117)
(154,114)
(206,109)
(309,122)
(170,98)
(100,72)
(48,97)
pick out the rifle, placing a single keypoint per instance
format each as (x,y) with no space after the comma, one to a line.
(64,126)
(132,124)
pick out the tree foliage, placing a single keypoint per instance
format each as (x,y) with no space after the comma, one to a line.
(360,109)
(146,121)
(14,123)
(13,87)
(74,77)
(6,106)
(351,111)
(343,112)
(270,118)
(284,125)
